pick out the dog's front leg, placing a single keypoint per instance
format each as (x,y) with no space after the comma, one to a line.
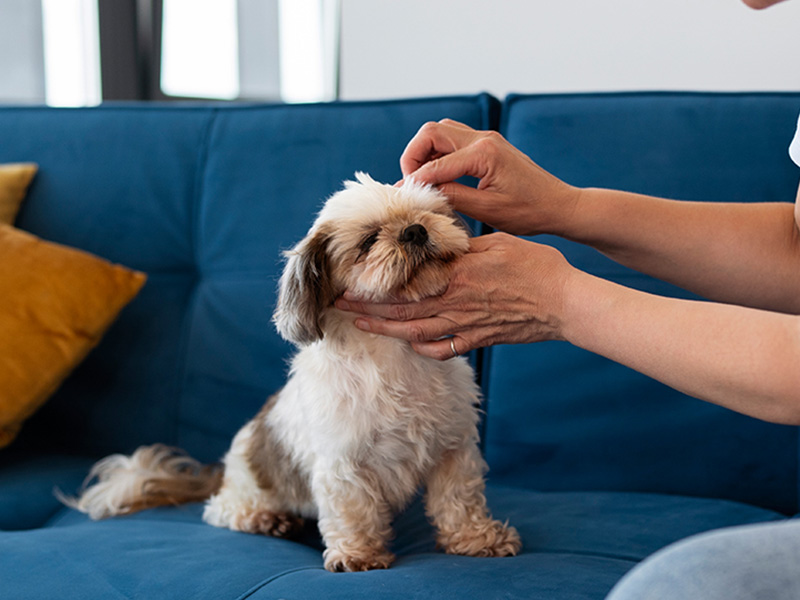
(456,504)
(355,524)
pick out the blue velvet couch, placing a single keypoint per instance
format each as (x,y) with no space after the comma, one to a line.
(596,465)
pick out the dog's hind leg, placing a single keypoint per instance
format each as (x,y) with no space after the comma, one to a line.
(242,504)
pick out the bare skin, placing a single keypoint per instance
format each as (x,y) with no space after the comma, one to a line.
(741,349)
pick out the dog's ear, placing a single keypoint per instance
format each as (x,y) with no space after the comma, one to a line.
(305,291)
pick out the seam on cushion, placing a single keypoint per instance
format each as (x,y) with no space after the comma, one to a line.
(603,555)
(266,582)
(259,586)
(57,515)
(490,113)
(186,328)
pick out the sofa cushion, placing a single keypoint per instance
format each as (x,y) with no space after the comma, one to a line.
(27,484)
(267,173)
(203,199)
(560,418)
(575,545)
(55,305)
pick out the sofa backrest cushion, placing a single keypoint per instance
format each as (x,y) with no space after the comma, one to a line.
(560,418)
(203,200)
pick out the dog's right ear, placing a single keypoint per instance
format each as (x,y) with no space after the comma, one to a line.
(305,290)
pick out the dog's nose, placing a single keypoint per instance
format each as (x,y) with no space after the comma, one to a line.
(414,234)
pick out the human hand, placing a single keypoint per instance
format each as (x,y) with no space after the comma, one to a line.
(514,194)
(504,291)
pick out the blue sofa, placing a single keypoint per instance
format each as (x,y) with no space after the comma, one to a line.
(595,465)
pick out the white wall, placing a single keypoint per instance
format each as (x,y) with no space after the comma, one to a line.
(437,47)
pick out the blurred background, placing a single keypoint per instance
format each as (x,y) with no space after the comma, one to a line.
(84,52)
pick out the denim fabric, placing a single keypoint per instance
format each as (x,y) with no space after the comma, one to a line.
(754,562)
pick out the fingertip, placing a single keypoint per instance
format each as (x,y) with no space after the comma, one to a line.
(362,324)
(349,296)
(427,350)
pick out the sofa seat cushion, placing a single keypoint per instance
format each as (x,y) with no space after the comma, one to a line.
(27,500)
(576,545)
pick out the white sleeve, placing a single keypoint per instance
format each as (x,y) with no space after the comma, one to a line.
(794,148)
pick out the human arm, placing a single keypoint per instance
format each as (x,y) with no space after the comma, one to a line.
(739,253)
(744,359)
(746,254)
(508,290)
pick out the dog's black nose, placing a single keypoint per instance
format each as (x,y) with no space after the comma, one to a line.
(414,234)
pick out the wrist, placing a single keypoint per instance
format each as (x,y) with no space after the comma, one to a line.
(585,298)
(566,206)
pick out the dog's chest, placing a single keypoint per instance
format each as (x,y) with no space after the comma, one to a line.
(388,406)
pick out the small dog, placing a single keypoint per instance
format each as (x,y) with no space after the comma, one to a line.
(362,421)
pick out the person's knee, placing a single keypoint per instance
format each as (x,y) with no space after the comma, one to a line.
(729,564)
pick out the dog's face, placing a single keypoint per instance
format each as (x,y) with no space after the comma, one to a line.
(380,242)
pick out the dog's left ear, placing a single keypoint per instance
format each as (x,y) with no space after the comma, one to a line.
(305,290)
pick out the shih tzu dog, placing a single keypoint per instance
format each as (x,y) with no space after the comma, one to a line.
(362,422)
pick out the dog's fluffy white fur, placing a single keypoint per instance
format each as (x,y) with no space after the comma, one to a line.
(362,421)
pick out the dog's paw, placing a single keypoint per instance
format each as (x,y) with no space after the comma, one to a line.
(266,522)
(337,561)
(492,538)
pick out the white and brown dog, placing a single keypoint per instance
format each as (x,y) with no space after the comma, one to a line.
(363,421)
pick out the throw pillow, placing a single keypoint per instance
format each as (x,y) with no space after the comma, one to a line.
(14,182)
(55,305)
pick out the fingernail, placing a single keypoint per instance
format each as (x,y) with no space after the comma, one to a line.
(342,304)
(362,324)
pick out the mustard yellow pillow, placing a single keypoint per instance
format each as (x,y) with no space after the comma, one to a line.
(55,305)
(14,181)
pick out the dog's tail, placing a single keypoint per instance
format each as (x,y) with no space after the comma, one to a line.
(152,476)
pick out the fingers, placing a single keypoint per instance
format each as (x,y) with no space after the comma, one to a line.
(417,331)
(417,323)
(467,161)
(428,337)
(432,141)
(469,201)
(396,312)
(444,349)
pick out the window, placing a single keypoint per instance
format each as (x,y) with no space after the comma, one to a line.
(200,49)
(79,52)
(309,50)
(251,49)
(49,52)
(71,52)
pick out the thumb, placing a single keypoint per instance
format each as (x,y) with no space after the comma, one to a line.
(478,204)
(450,167)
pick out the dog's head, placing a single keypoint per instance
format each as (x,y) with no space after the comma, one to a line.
(380,242)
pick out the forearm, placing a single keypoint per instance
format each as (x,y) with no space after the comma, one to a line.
(746,254)
(744,359)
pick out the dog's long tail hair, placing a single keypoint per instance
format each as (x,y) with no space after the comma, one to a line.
(152,476)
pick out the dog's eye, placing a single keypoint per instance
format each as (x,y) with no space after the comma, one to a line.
(365,244)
